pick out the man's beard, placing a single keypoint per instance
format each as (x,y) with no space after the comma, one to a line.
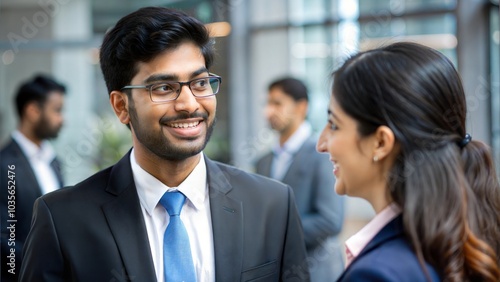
(161,145)
(43,130)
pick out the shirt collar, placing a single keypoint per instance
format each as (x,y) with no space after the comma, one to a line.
(31,150)
(293,144)
(356,243)
(150,189)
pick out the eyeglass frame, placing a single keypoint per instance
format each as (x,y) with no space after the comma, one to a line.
(149,87)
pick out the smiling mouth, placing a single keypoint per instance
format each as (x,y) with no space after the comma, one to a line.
(335,168)
(184,124)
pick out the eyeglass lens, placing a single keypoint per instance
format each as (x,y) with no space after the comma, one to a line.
(199,87)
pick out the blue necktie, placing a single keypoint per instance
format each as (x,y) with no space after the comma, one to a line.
(177,260)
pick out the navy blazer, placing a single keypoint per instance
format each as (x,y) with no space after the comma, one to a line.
(95,230)
(388,257)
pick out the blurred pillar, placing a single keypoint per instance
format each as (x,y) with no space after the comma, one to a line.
(472,55)
(74,66)
(240,114)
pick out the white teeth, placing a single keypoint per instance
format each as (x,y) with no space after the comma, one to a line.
(184,125)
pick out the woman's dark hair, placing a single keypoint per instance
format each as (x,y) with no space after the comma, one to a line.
(449,192)
(143,35)
(36,90)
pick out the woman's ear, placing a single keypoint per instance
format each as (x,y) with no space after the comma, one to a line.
(120,103)
(385,143)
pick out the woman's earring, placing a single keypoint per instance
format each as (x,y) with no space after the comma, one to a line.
(375,159)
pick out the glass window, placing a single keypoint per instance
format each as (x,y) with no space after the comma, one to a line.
(311,55)
(264,12)
(317,36)
(436,31)
(307,10)
(397,7)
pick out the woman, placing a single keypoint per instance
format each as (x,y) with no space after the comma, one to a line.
(396,136)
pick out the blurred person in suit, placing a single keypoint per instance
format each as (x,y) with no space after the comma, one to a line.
(397,138)
(165,211)
(29,167)
(295,161)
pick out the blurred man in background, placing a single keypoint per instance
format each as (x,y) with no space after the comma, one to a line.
(295,161)
(29,167)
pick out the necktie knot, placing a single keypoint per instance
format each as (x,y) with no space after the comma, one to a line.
(173,202)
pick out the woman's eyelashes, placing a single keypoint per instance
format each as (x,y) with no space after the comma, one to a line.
(332,125)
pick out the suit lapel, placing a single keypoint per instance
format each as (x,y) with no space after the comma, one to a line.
(227,225)
(266,165)
(26,166)
(124,217)
(393,229)
(299,165)
(55,165)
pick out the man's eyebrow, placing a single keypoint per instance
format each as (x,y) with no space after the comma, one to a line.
(199,71)
(160,77)
(171,77)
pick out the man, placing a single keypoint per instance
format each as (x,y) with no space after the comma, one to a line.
(29,167)
(120,224)
(295,162)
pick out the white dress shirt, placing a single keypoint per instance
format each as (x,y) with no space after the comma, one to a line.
(39,159)
(283,156)
(195,215)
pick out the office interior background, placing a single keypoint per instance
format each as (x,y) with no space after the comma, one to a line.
(257,41)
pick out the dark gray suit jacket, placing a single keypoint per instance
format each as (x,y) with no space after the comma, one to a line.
(95,230)
(322,211)
(23,181)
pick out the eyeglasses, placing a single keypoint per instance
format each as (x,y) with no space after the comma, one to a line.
(170,90)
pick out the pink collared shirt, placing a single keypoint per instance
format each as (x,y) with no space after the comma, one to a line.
(356,243)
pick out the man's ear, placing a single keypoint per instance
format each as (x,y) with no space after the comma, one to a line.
(32,111)
(120,104)
(385,143)
(302,107)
